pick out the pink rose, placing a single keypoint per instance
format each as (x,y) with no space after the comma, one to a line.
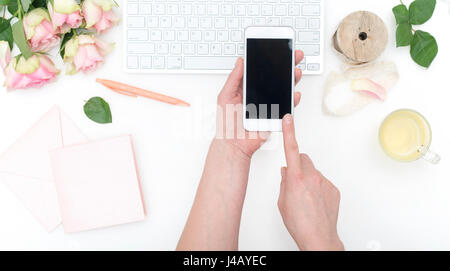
(32,72)
(98,14)
(39,30)
(65,14)
(85,53)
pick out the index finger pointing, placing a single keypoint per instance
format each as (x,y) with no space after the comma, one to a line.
(290,144)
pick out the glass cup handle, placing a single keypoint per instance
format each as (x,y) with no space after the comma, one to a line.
(430,156)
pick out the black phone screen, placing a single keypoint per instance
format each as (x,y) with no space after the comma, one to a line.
(269,78)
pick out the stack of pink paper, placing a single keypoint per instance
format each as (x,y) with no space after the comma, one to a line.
(60,176)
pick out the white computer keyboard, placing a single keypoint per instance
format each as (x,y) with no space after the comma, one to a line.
(206,36)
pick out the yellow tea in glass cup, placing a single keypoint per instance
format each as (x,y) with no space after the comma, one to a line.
(405,135)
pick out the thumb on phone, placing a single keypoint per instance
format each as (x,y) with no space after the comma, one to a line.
(290,144)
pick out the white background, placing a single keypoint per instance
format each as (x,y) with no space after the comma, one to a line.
(385,204)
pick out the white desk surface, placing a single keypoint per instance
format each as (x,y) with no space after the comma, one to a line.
(385,204)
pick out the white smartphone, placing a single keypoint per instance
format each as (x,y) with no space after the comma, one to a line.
(268,77)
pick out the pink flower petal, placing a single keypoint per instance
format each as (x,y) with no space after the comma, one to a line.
(74,19)
(80,58)
(370,88)
(92,13)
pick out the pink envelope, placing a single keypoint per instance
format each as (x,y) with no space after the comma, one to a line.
(98,184)
(25,167)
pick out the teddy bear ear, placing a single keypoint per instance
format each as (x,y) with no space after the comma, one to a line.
(358,86)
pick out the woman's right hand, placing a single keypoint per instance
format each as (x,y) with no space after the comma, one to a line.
(308,202)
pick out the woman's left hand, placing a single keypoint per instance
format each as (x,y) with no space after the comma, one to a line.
(230,98)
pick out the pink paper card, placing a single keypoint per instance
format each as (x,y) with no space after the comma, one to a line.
(97,184)
(25,166)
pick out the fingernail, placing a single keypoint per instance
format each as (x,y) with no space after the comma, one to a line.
(288,119)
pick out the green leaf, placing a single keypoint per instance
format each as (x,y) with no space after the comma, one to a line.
(421,11)
(404,34)
(26,4)
(4,2)
(21,40)
(424,48)
(40,4)
(401,14)
(6,32)
(65,39)
(13,7)
(98,110)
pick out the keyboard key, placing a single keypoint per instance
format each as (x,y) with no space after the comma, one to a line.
(146,62)
(226,10)
(176,49)
(152,22)
(222,35)
(162,48)
(280,10)
(229,49)
(236,36)
(141,48)
(253,10)
(203,49)
(133,9)
(192,22)
(189,49)
(209,63)
(159,9)
(133,62)
(165,22)
(174,63)
(219,22)
(294,10)
(301,23)
(311,10)
(209,35)
(183,35)
(179,22)
(137,35)
(156,35)
(136,22)
(213,9)
(309,49)
(145,9)
(240,49)
(313,67)
(307,36)
(314,23)
(196,35)
(159,62)
(169,35)
(172,9)
(216,49)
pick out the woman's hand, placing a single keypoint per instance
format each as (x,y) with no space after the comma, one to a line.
(309,202)
(230,128)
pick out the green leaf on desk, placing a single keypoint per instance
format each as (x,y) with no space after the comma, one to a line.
(6,31)
(424,48)
(421,11)
(98,110)
(401,14)
(404,34)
